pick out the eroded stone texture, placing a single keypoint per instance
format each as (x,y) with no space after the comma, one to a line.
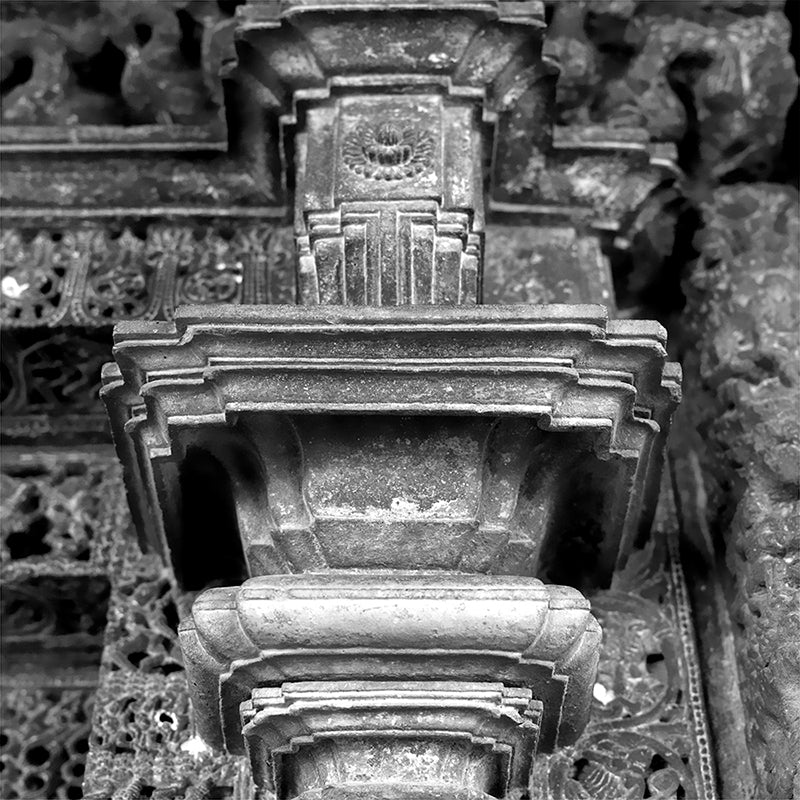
(115,62)
(715,73)
(741,421)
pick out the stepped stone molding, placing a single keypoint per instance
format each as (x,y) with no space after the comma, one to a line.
(386,123)
(99,274)
(246,383)
(440,634)
(462,734)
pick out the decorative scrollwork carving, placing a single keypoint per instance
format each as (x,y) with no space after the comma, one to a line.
(35,275)
(119,279)
(642,740)
(138,54)
(53,372)
(53,606)
(96,277)
(208,270)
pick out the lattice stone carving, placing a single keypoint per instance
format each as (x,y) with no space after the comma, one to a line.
(648,670)
(58,510)
(98,275)
(44,740)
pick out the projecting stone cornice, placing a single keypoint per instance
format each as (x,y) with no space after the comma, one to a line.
(533,403)
(567,365)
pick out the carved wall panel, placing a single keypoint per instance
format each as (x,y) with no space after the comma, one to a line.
(648,671)
(35,762)
(57,511)
(50,384)
(101,274)
(107,63)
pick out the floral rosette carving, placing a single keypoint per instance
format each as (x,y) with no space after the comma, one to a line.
(387,152)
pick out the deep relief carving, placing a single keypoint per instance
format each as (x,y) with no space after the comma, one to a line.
(45,608)
(647,735)
(37,275)
(119,281)
(54,373)
(136,58)
(142,744)
(54,510)
(95,277)
(387,152)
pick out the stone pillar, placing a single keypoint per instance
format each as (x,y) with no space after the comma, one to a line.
(409,485)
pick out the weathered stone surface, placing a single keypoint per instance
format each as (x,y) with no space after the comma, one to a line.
(741,420)
(715,77)
(143,743)
(392,480)
(104,273)
(113,62)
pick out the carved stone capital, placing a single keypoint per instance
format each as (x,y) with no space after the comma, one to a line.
(509,407)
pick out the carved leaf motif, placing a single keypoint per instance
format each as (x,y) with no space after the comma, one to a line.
(118,279)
